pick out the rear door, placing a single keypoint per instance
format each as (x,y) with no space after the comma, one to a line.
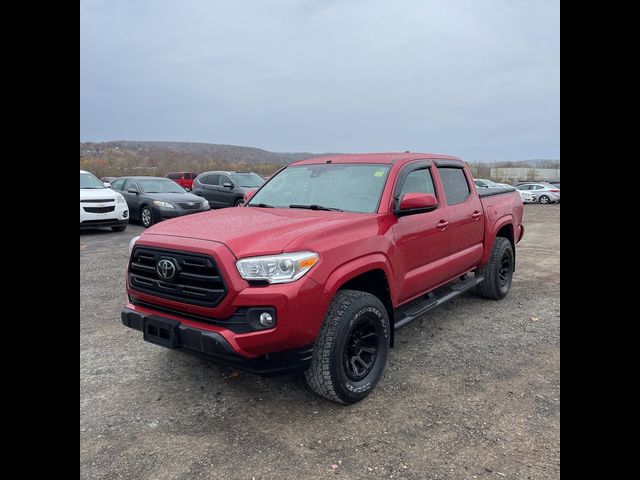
(422,239)
(466,217)
(208,188)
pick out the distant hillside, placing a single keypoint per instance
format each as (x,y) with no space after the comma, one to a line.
(158,158)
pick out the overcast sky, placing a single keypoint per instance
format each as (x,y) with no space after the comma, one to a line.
(473,78)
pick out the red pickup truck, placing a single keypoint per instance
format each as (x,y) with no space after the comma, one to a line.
(321,266)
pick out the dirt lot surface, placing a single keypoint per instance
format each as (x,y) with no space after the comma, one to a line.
(472,390)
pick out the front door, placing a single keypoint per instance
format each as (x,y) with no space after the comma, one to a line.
(422,239)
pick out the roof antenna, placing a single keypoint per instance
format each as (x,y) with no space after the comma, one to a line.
(407,151)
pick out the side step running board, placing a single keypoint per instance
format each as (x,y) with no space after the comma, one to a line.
(416,308)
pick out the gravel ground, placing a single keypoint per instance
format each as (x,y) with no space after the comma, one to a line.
(472,390)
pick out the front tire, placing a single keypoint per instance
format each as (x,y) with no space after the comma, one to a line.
(146,217)
(350,352)
(498,271)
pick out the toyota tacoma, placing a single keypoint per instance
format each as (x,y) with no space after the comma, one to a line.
(322,265)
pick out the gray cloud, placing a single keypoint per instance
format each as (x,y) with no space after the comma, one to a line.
(474,78)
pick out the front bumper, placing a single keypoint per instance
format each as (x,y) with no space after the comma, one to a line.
(116,218)
(213,346)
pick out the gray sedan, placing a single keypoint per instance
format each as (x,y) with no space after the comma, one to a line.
(543,192)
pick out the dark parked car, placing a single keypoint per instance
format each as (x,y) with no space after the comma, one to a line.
(226,189)
(152,199)
(184,179)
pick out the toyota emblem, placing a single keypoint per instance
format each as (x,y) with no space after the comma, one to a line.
(166,269)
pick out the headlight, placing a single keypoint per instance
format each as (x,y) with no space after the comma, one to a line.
(283,268)
(120,199)
(158,203)
(205,204)
(132,243)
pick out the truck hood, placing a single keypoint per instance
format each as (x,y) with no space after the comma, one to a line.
(251,231)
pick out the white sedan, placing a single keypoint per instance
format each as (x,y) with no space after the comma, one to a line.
(526,197)
(100,206)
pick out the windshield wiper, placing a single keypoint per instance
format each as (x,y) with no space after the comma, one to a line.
(261,205)
(316,207)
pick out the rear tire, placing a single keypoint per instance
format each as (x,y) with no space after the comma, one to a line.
(498,271)
(350,352)
(544,199)
(120,228)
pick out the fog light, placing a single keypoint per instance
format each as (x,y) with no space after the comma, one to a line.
(125,214)
(266,319)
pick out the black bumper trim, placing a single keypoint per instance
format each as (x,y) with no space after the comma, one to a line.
(87,224)
(213,346)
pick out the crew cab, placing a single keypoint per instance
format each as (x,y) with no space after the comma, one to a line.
(323,263)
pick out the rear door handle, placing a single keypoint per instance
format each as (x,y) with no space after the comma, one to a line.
(475,215)
(442,224)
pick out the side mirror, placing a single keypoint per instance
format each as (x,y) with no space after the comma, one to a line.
(227,185)
(106,184)
(132,190)
(412,203)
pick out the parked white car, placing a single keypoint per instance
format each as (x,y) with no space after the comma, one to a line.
(100,206)
(526,197)
(543,192)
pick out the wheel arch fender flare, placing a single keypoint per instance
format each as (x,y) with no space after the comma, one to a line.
(490,236)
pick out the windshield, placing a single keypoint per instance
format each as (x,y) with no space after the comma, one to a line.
(249,180)
(89,181)
(160,185)
(348,187)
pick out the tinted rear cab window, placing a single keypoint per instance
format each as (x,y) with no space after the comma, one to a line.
(455,185)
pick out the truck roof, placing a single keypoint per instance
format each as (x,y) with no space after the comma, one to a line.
(388,158)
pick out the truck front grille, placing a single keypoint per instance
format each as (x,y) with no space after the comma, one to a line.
(196,279)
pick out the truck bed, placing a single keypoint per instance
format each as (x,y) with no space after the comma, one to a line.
(487,192)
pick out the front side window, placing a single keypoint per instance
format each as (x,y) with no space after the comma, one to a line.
(224,179)
(130,184)
(118,184)
(418,181)
(90,182)
(344,186)
(454,182)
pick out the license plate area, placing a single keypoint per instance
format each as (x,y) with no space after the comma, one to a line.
(161,331)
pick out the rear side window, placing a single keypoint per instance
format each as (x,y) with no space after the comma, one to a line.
(418,181)
(456,188)
(173,176)
(211,179)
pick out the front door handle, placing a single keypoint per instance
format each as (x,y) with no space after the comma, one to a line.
(476,215)
(442,224)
